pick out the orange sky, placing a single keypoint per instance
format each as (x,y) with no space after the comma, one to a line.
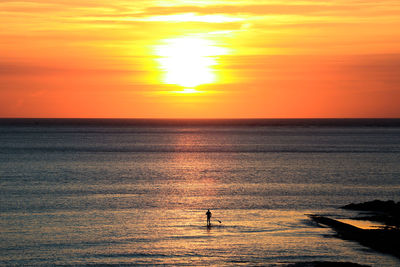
(199,59)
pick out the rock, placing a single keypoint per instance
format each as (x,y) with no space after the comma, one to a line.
(383,240)
(325,264)
(377,205)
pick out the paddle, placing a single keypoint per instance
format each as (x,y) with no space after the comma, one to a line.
(218,220)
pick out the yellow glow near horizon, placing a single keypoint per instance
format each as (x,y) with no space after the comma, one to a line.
(192,17)
(189,91)
(188,62)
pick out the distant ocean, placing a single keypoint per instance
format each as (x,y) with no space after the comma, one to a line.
(105,191)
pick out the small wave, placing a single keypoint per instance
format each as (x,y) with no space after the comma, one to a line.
(191,237)
(165,149)
(133,255)
(146,255)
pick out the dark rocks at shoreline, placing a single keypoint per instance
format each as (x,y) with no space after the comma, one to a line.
(345,230)
(376,205)
(325,264)
(383,240)
(387,212)
(386,239)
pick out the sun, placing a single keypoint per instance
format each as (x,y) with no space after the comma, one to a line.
(188,62)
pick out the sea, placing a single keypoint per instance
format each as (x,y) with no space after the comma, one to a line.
(135,192)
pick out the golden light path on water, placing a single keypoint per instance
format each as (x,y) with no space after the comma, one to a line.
(188,62)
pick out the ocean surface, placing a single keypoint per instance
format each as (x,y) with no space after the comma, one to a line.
(77,192)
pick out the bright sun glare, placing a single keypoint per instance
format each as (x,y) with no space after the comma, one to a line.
(188,62)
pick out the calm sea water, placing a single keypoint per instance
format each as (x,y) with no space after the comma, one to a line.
(136,193)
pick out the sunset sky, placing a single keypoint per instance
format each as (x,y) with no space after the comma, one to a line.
(199,59)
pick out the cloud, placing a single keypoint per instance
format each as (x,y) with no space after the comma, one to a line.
(18,69)
(310,8)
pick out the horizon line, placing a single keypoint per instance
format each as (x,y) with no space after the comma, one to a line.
(198,118)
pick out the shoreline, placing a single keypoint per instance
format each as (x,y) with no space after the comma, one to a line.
(385,239)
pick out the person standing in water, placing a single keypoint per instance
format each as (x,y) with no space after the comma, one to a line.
(208,213)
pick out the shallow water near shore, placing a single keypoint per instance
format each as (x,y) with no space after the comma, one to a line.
(363,224)
(138,194)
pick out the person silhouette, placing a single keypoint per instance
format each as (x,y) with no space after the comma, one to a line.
(208,213)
